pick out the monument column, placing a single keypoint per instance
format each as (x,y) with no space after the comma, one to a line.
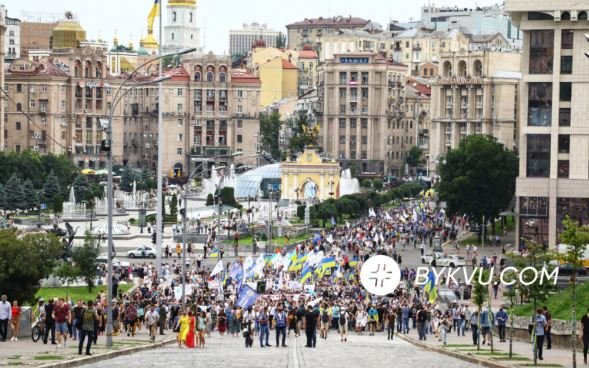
(322,186)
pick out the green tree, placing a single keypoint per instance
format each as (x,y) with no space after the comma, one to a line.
(127,178)
(174,205)
(281,41)
(61,166)
(270,129)
(414,156)
(67,273)
(2,197)
(57,204)
(576,239)
(227,196)
(377,183)
(81,187)
(30,195)
(25,261)
(84,259)
(478,178)
(15,198)
(51,187)
(210,200)
(366,183)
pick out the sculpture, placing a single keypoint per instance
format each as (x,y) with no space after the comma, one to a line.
(311,133)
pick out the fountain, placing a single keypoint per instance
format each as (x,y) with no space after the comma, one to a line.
(132,201)
(347,184)
(117,229)
(72,210)
(210,185)
(101,208)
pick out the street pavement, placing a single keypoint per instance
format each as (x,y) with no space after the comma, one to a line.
(230,352)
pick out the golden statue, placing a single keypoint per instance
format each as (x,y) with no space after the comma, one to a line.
(311,133)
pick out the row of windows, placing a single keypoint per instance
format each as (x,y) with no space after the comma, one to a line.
(542,51)
(353,125)
(540,104)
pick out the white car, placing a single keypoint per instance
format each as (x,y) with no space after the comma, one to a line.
(428,257)
(444,261)
(103,258)
(142,252)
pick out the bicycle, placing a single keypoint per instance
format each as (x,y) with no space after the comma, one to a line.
(38,330)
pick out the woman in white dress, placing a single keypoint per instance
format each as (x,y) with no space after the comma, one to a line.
(361,320)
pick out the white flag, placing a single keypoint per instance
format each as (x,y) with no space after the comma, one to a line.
(218,268)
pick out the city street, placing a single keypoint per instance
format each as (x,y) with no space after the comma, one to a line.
(229,352)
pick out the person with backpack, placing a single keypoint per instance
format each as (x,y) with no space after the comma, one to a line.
(421,322)
(343,324)
(89,318)
(325,321)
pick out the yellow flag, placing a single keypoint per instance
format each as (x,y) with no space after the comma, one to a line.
(152,14)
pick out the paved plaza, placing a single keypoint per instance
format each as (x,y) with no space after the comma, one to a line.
(360,351)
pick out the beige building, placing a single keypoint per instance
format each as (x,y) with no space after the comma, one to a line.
(355,40)
(477,93)
(417,46)
(353,95)
(554,139)
(311,31)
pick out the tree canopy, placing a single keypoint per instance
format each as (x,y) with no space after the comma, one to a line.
(478,178)
(414,156)
(25,261)
(270,129)
(299,140)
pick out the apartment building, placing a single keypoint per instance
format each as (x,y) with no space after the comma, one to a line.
(554,140)
(477,93)
(311,31)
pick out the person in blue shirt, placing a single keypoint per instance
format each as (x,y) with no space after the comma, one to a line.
(501,318)
(485,326)
(335,316)
(540,324)
(372,319)
(405,318)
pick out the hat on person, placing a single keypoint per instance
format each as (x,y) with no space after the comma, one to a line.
(41,299)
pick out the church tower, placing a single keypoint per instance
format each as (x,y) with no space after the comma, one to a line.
(181,30)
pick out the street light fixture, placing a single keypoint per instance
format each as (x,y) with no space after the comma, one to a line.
(107,146)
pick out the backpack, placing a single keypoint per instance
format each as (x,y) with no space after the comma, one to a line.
(325,317)
(422,316)
(342,319)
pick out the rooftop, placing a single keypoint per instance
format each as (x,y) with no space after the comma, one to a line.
(338,21)
(288,65)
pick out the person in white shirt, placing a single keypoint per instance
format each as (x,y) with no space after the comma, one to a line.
(152,318)
(5,316)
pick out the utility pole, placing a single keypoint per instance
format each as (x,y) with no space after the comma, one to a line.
(2,95)
(160,153)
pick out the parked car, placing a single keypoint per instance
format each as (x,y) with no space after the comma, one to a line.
(566,269)
(142,252)
(443,261)
(103,259)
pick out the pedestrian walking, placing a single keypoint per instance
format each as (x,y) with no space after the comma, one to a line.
(15,321)
(89,319)
(540,324)
(5,316)
(585,333)
(280,318)
(152,319)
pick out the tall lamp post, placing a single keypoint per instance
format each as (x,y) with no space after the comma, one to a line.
(107,147)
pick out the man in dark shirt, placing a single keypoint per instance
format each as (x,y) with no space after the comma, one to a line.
(585,327)
(310,323)
(49,323)
(548,328)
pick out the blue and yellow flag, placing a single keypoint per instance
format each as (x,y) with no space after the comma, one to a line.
(306,274)
(298,264)
(353,262)
(214,253)
(154,12)
(328,262)
(430,287)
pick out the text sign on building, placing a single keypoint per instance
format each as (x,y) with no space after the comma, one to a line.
(93,84)
(353,60)
(460,80)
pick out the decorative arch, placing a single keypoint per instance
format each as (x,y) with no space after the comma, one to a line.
(88,69)
(582,15)
(78,69)
(447,69)
(565,16)
(462,69)
(174,16)
(477,68)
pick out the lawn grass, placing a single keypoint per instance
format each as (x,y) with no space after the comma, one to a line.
(560,303)
(246,240)
(514,358)
(48,357)
(75,292)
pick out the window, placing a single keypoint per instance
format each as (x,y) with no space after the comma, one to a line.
(567,39)
(18,125)
(364,155)
(539,16)
(190,17)
(239,138)
(179,92)
(239,94)
(343,77)
(566,65)
(342,93)
(180,122)
(240,123)
(43,88)
(18,107)
(17,148)
(563,169)
(222,77)
(179,151)
(172,36)
(564,117)
(342,139)
(180,107)
(179,138)
(364,123)
(210,77)
(540,104)
(566,91)
(541,51)
(11,33)
(240,109)
(538,156)
(62,104)
(364,77)
(19,87)
(174,17)
(342,108)
(32,103)
(342,123)
(197,77)
(352,123)
(11,41)
(564,143)
(364,139)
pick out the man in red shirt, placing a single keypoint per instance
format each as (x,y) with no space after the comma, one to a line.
(62,316)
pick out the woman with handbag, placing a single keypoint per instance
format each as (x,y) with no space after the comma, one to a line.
(181,328)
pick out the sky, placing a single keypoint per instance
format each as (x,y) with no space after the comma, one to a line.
(128,18)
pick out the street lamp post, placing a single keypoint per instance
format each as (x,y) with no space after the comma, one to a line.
(107,147)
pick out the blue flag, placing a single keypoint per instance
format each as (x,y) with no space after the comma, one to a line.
(247,297)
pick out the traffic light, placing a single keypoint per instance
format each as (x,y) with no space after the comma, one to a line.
(153,237)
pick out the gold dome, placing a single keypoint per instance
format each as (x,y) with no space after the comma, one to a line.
(182,2)
(68,34)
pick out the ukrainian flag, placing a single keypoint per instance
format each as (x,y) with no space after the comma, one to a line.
(353,262)
(269,258)
(328,262)
(306,274)
(214,253)
(153,12)
(430,287)
(298,264)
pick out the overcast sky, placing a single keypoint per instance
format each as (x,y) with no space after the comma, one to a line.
(101,18)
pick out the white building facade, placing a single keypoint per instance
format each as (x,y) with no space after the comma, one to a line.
(181,30)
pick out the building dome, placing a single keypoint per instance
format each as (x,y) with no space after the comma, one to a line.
(68,33)
(249,184)
(182,2)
